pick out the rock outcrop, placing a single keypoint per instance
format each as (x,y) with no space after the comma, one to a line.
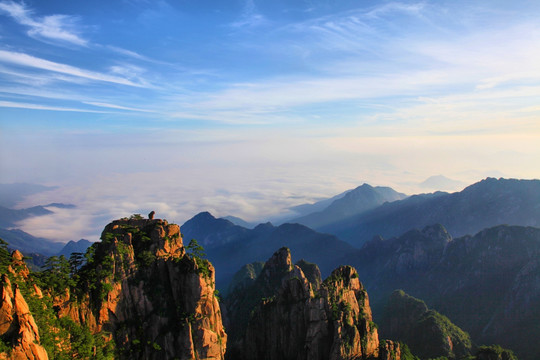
(17,325)
(140,289)
(293,318)
(155,301)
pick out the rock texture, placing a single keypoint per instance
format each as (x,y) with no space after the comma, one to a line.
(17,325)
(487,284)
(229,247)
(140,288)
(292,318)
(156,301)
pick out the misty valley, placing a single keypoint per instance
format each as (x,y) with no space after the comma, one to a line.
(368,274)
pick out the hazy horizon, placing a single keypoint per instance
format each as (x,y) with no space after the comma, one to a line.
(247,108)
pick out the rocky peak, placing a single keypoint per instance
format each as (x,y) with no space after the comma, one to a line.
(280,262)
(156,301)
(156,236)
(17,325)
(296,322)
(344,277)
(18,266)
(312,272)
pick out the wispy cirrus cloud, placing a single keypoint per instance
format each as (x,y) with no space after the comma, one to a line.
(21,105)
(58,28)
(22,59)
(118,107)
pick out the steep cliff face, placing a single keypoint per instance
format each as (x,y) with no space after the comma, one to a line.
(293,318)
(17,325)
(487,284)
(155,301)
(140,295)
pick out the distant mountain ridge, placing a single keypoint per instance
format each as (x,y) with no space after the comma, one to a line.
(306,209)
(229,246)
(350,203)
(211,232)
(10,217)
(75,247)
(38,247)
(26,243)
(488,284)
(487,203)
(441,182)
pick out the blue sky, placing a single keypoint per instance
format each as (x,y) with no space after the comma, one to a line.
(250,107)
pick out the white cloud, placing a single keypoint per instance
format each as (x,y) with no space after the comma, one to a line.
(264,172)
(59,28)
(115,106)
(26,60)
(19,105)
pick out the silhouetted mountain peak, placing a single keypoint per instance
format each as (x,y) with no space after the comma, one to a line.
(204,216)
(357,201)
(487,203)
(210,231)
(75,247)
(264,227)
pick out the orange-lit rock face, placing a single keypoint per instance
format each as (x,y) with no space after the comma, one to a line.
(17,322)
(159,302)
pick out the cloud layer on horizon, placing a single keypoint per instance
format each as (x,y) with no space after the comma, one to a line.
(252,107)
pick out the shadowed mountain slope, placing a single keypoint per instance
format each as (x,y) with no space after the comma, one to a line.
(353,202)
(230,246)
(488,203)
(488,284)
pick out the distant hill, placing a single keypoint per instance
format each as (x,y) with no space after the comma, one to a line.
(75,247)
(10,217)
(229,246)
(428,334)
(26,243)
(441,182)
(211,232)
(488,284)
(306,209)
(351,203)
(487,203)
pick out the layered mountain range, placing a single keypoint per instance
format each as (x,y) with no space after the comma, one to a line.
(486,283)
(139,295)
(487,203)
(231,246)
(142,294)
(466,262)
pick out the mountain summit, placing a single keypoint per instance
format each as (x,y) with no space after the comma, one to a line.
(354,202)
(488,203)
